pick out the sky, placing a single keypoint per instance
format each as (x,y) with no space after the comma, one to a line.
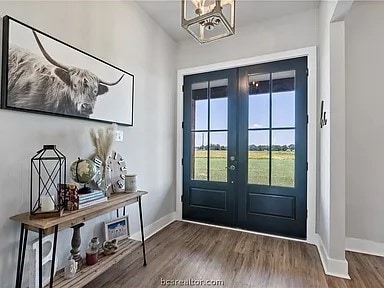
(283,115)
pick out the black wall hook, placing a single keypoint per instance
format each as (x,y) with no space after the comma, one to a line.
(323,116)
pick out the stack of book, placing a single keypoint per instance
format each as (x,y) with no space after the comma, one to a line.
(96,197)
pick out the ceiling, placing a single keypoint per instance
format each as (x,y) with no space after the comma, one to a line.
(167,13)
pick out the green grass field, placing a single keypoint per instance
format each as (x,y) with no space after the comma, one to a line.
(283,165)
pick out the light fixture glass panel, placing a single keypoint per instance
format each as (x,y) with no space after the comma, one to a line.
(214,29)
(228,10)
(190,9)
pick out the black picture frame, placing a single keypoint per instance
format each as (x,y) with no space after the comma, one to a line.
(41,74)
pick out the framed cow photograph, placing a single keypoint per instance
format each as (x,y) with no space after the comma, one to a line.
(42,74)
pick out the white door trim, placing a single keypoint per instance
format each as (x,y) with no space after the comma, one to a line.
(311,53)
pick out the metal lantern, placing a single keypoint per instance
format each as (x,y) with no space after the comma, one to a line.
(48,174)
(208,20)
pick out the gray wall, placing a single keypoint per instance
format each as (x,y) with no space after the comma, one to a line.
(364,121)
(121,34)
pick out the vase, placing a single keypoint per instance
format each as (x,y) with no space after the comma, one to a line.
(105,182)
(71,268)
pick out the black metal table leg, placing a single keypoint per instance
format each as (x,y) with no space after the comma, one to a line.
(21,257)
(53,256)
(40,258)
(18,280)
(142,231)
(23,254)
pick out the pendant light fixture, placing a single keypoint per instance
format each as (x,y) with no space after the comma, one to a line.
(208,20)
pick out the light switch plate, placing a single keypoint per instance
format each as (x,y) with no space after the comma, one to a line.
(119,136)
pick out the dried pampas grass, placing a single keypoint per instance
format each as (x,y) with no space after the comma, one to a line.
(102,140)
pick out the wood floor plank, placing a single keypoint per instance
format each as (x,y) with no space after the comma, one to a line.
(183,251)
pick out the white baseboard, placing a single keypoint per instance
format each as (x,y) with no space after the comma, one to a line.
(331,266)
(364,246)
(155,227)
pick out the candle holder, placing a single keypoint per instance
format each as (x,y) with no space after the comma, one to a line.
(48,173)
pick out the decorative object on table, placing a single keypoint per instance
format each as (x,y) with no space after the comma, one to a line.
(74,201)
(48,172)
(130,183)
(96,197)
(102,140)
(117,171)
(76,242)
(117,229)
(47,244)
(110,247)
(70,268)
(50,82)
(323,116)
(210,20)
(69,193)
(92,254)
(83,171)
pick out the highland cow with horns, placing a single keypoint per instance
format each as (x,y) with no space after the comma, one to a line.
(42,84)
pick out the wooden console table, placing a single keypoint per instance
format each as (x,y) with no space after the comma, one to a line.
(71,219)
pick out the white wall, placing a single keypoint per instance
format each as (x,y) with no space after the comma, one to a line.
(331,200)
(337,143)
(365,124)
(277,35)
(122,34)
(325,14)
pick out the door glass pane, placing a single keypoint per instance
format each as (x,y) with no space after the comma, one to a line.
(283,99)
(218,157)
(199,156)
(258,157)
(283,158)
(219,104)
(258,101)
(199,107)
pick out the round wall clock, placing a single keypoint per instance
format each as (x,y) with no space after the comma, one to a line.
(116,171)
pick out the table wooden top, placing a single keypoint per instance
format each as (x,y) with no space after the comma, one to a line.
(71,218)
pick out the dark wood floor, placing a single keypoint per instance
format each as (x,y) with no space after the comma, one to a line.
(190,251)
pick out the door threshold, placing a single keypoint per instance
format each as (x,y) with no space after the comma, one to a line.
(246,231)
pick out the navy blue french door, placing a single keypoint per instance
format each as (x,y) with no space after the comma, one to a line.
(210,125)
(245,147)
